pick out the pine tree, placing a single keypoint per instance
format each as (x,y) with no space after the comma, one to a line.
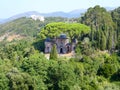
(53,53)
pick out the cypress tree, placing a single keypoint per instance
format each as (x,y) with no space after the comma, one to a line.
(98,37)
(53,53)
(118,45)
(103,41)
(109,44)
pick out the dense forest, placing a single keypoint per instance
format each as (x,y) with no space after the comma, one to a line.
(95,66)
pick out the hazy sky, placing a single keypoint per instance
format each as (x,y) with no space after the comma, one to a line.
(12,7)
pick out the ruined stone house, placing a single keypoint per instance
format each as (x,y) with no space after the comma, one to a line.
(63,44)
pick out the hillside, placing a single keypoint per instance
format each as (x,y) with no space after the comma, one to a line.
(93,65)
(24,27)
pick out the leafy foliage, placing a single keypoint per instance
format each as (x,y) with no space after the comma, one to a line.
(71,29)
(100,21)
(24,67)
(27,26)
(53,53)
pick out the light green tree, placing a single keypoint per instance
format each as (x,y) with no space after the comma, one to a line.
(73,30)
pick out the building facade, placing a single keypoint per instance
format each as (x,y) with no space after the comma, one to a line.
(62,44)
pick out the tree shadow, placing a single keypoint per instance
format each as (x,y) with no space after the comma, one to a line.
(39,45)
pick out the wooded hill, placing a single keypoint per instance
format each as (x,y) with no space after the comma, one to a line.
(96,65)
(26,27)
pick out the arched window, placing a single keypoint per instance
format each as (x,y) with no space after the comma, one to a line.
(68,49)
(74,48)
(61,50)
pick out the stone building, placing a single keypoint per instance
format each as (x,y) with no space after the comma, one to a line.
(62,43)
(37,17)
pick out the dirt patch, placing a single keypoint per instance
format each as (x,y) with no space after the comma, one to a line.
(10,37)
(3,36)
(14,37)
(68,55)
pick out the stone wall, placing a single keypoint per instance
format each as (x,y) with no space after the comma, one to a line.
(48,47)
(62,44)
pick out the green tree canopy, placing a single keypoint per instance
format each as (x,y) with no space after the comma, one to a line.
(116,19)
(71,29)
(99,20)
(53,53)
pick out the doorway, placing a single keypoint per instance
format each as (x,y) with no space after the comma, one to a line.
(61,50)
(68,49)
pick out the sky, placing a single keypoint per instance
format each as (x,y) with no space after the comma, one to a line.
(9,8)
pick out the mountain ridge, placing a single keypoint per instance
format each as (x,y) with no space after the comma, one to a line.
(72,14)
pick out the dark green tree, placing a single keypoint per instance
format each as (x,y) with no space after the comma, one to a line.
(98,36)
(53,53)
(18,80)
(99,20)
(61,76)
(109,67)
(116,19)
(116,76)
(118,45)
(102,41)
(109,41)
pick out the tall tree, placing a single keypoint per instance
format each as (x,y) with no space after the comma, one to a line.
(98,36)
(53,53)
(73,30)
(116,19)
(118,44)
(103,41)
(99,20)
(109,42)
